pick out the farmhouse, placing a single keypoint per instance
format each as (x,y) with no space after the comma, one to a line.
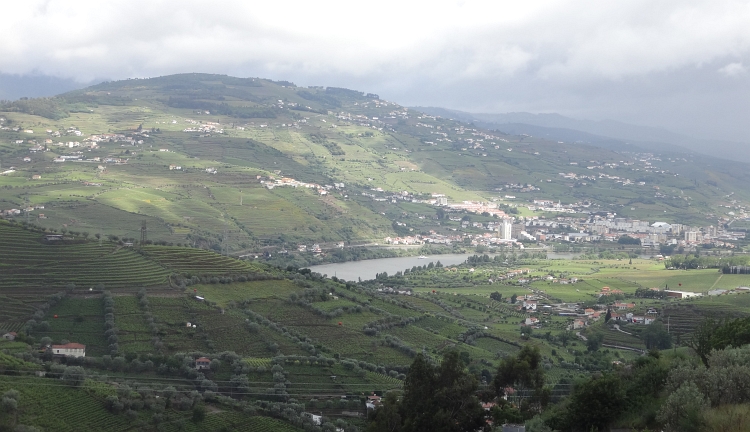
(373,401)
(70,350)
(530,304)
(609,291)
(531,321)
(10,336)
(202,363)
(316,419)
(623,306)
(682,294)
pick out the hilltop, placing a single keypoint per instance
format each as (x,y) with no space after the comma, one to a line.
(239,164)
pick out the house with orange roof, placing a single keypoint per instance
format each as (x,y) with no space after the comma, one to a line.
(71,349)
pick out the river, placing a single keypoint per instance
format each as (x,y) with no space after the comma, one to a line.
(366,269)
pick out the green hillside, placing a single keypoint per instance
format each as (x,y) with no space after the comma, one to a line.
(287,343)
(252,133)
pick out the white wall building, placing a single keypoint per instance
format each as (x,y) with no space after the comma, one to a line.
(506,229)
(70,349)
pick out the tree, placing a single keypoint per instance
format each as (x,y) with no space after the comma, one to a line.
(656,336)
(496,296)
(596,403)
(199,413)
(386,417)
(717,335)
(594,341)
(74,376)
(608,316)
(537,424)
(627,240)
(523,371)
(683,409)
(565,337)
(9,403)
(440,398)
(513,298)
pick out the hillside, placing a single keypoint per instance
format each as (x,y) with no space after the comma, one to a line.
(237,165)
(285,345)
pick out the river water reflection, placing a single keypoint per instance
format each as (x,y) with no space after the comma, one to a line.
(366,269)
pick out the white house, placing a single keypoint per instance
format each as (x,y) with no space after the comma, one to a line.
(202,363)
(316,419)
(10,336)
(70,349)
(682,294)
(531,321)
(530,304)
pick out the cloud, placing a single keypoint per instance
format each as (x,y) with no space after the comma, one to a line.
(572,56)
(733,69)
(472,39)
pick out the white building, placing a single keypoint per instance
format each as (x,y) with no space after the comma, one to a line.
(506,229)
(70,349)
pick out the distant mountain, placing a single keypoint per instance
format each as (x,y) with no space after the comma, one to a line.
(14,87)
(603,133)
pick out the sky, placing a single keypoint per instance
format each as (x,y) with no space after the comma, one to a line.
(682,65)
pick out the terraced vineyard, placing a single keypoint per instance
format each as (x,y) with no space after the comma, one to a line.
(51,406)
(229,333)
(230,420)
(133,332)
(614,337)
(172,314)
(684,318)
(78,320)
(198,261)
(15,311)
(30,263)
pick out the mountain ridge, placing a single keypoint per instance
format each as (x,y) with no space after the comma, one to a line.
(556,125)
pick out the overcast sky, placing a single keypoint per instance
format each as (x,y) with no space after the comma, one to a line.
(683,65)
